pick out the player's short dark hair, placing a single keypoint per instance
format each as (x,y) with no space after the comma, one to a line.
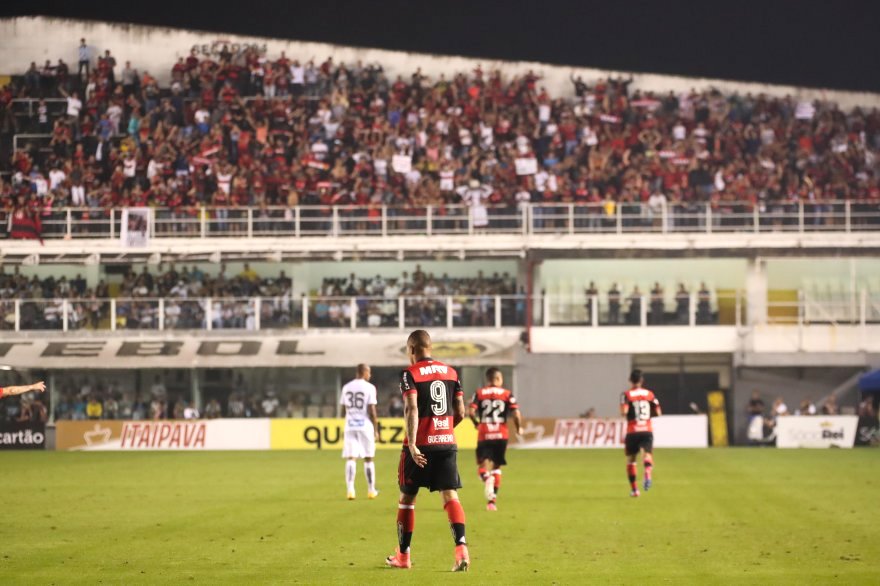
(635,377)
(491,372)
(420,340)
(362,368)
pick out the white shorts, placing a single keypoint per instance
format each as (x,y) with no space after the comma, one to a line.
(359,443)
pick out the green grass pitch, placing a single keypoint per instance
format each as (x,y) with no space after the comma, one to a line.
(743,516)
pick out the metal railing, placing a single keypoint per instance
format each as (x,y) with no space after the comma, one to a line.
(644,309)
(261,313)
(692,309)
(846,308)
(528,219)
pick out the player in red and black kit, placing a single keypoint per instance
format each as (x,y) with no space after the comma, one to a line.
(22,389)
(639,405)
(490,408)
(433,406)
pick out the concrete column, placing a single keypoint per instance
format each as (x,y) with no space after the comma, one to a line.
(756,292)
(196,389)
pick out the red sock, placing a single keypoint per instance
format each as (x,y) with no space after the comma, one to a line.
(631,474)
(497,474)
(649,465)
(456,520)
(482,472)
(406,524)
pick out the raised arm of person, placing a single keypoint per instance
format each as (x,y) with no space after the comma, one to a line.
(411,417)
(21,389)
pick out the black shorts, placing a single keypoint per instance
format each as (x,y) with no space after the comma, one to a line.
(492,450)
(642,440)
(440,473)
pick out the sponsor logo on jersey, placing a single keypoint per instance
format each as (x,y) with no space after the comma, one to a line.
(433,369)
(441,423)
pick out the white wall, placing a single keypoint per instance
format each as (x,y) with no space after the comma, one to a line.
(567,384)
(92,273)
(156,49)
(797,273)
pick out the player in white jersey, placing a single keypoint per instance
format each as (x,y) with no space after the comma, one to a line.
(358,400)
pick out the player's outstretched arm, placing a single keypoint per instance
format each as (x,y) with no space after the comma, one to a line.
(21,389)
(411,417)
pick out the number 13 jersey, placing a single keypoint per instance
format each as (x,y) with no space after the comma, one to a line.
(641,406)
(493,405)
(436,387)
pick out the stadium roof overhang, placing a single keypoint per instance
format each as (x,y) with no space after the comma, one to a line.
(481,246)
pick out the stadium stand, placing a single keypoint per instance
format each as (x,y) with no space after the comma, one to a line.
(173,299)
(247,130)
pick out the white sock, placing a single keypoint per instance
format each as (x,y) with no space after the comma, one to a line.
(350,470)
(489,491)
(370,473)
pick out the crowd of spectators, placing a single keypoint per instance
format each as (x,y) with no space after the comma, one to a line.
(263,130)
(471,300)
(611,305)
(184,293)
(762,422)
(100,398)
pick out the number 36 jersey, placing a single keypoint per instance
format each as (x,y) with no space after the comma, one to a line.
(641,406)
(493,405)
(356,397)
(436,387)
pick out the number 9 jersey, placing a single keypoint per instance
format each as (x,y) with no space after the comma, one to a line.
(436,387)
(493,405)
(641,405)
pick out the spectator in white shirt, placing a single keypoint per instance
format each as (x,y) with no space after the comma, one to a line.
(474,194)
(74,105)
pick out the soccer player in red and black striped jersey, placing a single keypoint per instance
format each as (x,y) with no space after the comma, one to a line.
(639,405)
(22,389)
(433,406)
(490,408)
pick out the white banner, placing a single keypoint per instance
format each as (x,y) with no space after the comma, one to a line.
(526,166)
(812,431)
(135,227)
(205,434)
(401,163)
(252,349)
(670,431)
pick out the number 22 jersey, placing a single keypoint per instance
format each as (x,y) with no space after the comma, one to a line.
(493,405)
(641,406)
(436,387)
